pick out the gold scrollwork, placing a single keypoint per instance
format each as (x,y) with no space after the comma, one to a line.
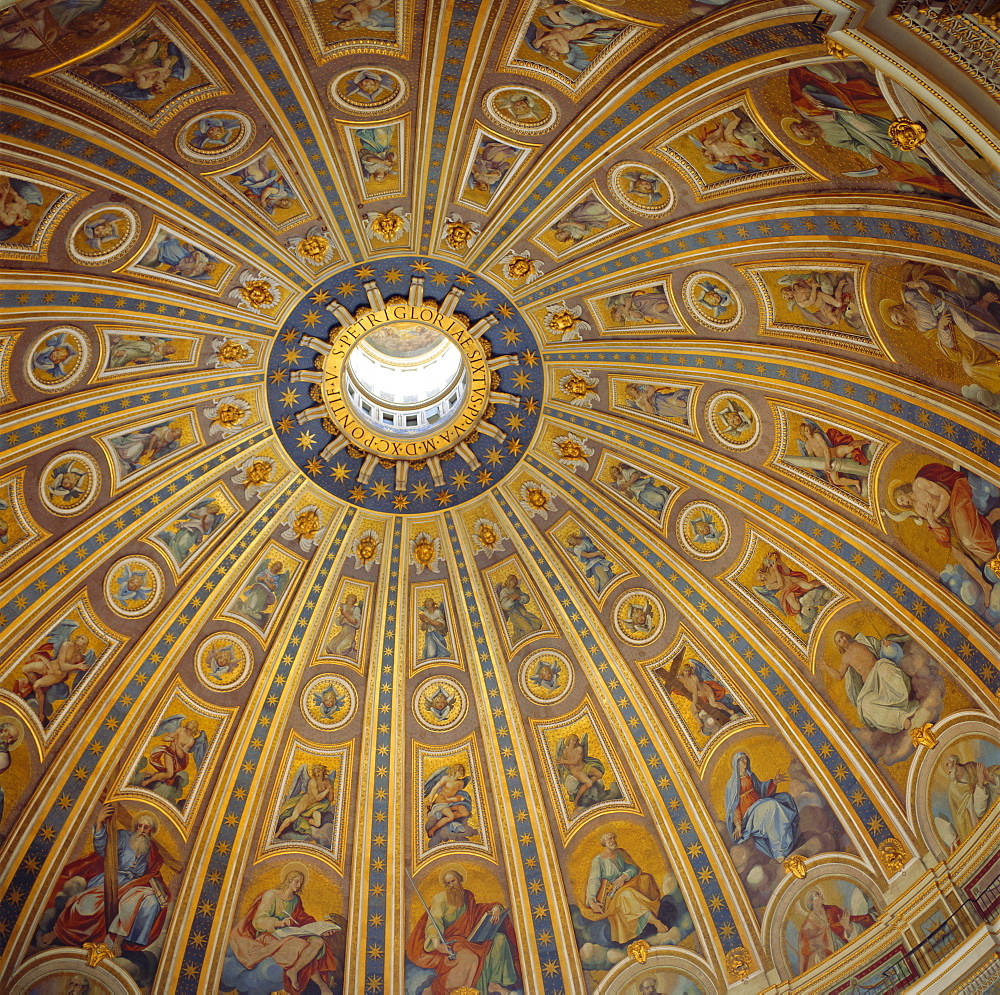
(638,950)
(739,964)
(906,134)
(893,854)
(796,865)
(96,952)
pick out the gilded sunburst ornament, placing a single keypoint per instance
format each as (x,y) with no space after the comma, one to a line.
(256,292)
(487,537)
(257,475)
(572,451)
(536,498)
(581,388)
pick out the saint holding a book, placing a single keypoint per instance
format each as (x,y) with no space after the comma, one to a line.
(466,943)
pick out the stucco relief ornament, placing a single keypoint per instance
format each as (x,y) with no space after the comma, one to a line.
(314,247)
(458,234)
(795,865)
(425,552)
(906,134)
(536,499)
(229,415)
(231,353)
(304,526)
(836,49)
(387,226)
(96,952)
(487,537)
(521,266)
(893,854)
(924,736)
(256,292)
(565,321)
(738,963)
(581,388)
(367,549)
(638,950)
(572,451)
(256,474)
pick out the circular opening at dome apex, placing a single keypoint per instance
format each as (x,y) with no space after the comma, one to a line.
(405,378)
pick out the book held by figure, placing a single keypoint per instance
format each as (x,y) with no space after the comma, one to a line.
(486,929)
(320,928)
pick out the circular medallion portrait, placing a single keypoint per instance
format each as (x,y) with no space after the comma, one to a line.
(223,661)
(662,981)
(69,483)
(440,703)
(66,976)
(732,421)
(638,617)
(132,587)
(215,136)
(712,300)
(103,234)
(328,701)
(546,677)
(11,733)
(368,89)
(640,188)
(57,359)
(520,109)
(964,787)
(702,530)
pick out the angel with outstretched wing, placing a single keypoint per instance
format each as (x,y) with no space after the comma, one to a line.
(546,675)
(310,798)
(46,672)
(182,739)
(328,701)
(710,701)
(579,770)
(446,801)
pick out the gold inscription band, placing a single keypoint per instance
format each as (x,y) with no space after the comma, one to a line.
(444,437)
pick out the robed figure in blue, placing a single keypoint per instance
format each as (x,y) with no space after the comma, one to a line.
(757,811)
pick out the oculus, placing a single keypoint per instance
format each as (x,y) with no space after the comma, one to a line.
(406,381)
(402,386)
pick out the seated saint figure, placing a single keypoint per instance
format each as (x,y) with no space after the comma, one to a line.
(757,811)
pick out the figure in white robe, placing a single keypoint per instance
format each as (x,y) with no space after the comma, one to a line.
(877,687)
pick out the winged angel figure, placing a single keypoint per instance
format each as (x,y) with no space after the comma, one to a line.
(711,704)
(47,675)
(307,811)
(582,774)
(182,741)
(448,806)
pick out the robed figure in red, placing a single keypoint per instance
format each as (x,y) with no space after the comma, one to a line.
(262,935)
(118,895)
(443,941)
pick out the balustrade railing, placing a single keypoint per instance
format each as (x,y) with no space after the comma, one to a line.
(896,970)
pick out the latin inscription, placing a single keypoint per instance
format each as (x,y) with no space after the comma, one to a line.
(360,433)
